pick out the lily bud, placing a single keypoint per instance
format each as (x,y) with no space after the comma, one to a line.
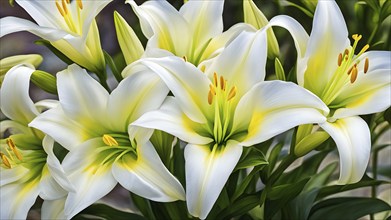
(280,74)
(45,81)
(130,45)
(9,62)
(254,16)
(310,142)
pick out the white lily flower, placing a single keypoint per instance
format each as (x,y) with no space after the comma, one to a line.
(93,125)
(220,111)
(69,26)
(8,62)
(28,167)
(350,83)
(194,32)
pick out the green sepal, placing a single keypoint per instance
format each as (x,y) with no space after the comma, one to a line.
(109,60)
(45,81)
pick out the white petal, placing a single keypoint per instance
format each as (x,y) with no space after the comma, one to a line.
(328,38)
(49,189)
(371,92)
(16,103)
(171,119)
(273,107)
(205,18)
(188,84)
(93,180)
(12,175)
(82,98)
(135,95)
(148,177)
(13,127)
(163,21)
(353,141)
(46,104)
(62,128)
(247,66)
(300,38)
(16,199)
(53,209)
(10,25)
(217,44)
(206,174)
(45,13)
(54,166)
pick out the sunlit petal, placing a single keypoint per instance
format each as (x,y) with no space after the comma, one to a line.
(206,174)
(147,176)
(353,140)
(53,209)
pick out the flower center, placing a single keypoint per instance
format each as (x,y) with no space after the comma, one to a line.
(62,7)
(347,71)
(14,156)
(220,97)
(114,147)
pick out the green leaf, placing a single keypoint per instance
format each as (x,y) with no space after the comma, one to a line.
(347,208)
(385,11)
(56,52)
(387,115)
(245,183)
(144,206)
(273,157)
(280,195)
(11,2)
(113,66)
(300,207)
(252,159)
(240,207)
(100,210)
(374,4)
(366,181)
(306,11)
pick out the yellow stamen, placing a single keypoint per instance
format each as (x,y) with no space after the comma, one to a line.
(351,68)
(222,81)
(366,65)
(184,58)
(212,89)
(60,9)
(79,4)
(365,48)
(12,146)
(339,59)
(346,52)
(210,97)
(353,77)
(69,1)
(5,160)
(109,140)
(232,93)
(357,37)
(64,6)
(215,79)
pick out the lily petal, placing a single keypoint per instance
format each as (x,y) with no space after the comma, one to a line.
(250,51)
(353,141)
(274,101)
(93,180)
(371,92)
(135,95)
(206,20)
(147,176)
(74,86)
(12,175)
(53,209)
(163,21)
(206,174)
(54,166)
(17,198)
(11,25)
(16,103)
(176,74)
(300,38)
(329,37)
(171,119)
(65,131)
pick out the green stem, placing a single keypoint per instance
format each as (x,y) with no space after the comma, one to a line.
(374,171)
(373,33)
